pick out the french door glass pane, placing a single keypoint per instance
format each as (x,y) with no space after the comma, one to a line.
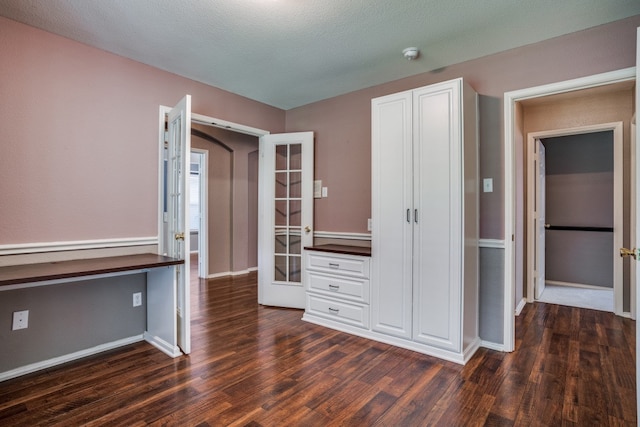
(294,269)
(295,184)
(281,185)
(281,213)
(296,157)
(294,242)
(281,157)
(295,207)
(281,268)
(287,226)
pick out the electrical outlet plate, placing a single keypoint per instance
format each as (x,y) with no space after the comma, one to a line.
(20,320)
(137,299)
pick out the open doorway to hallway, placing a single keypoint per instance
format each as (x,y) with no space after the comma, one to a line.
(574,219)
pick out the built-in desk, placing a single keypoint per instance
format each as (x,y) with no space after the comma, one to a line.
(160,301)
(13,275)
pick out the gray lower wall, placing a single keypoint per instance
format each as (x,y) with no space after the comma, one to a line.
(579,257)
(193,241)
(491,295)
(69,317)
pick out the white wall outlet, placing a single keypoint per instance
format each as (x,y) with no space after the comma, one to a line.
(487,185)
(325,191)
(369,224)
(137,299)
(20,320)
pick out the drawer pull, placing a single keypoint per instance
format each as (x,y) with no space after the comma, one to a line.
(334,310)
(334,265)
(334,287)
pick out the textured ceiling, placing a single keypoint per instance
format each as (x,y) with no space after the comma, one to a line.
(288,53)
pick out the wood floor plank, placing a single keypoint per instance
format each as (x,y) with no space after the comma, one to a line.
(263,366)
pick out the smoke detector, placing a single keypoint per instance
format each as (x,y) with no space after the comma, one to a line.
(411,53)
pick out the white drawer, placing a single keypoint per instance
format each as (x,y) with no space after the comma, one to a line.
(351,265)
(352,314)
(339,286)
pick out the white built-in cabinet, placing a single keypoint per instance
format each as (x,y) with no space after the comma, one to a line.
(424,279)
(419,289)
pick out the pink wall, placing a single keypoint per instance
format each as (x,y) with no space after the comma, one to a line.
(343,124)
(79,134)
(80,137)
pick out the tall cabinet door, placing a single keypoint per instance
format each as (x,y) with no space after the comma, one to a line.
(438,217)
(392,214)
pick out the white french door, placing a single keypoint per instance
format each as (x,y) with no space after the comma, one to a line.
(176,238)
(285,217)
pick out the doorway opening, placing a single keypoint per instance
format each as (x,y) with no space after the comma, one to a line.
(198,220)
(575,217)
(514,232)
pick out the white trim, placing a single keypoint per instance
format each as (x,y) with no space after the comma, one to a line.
(162,345)
(520,306)
(33,367)
(232,273)
(32,248)
(223,124)
(203,233)
(633,201)
(577,285)
(510,99)
(491,243)
(492,345)
(341,235)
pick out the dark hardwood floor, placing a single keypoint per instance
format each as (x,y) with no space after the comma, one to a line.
(262,366)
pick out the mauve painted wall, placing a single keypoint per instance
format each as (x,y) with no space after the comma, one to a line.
(80,137)
(342,124)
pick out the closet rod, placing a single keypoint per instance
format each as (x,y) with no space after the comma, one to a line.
(579,228)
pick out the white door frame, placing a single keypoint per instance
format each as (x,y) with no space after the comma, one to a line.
(510,99)
(616,127)
(203,227)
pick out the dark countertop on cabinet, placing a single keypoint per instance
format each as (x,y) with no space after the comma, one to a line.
(341,249)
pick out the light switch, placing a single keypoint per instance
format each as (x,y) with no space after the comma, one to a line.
(324,192)
(487,185)
(317,189)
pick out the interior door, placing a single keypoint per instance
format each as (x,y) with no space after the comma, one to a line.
(540,219)
(285,217)
(178,169)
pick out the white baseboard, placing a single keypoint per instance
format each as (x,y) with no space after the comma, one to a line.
(491,243)
(492,345)
(33,367)
(577,285)
(520,306)
(232,273)
(162,345)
